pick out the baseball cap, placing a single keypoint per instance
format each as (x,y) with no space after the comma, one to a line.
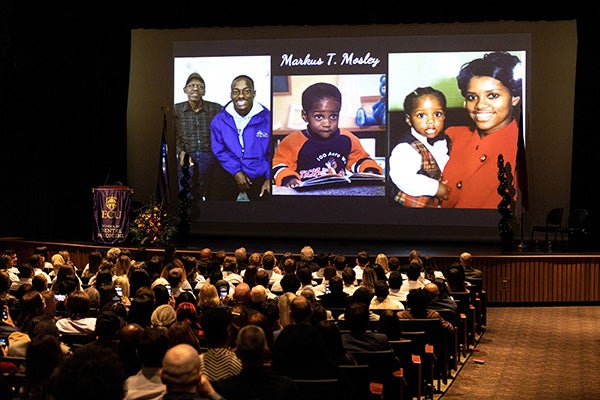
(194,75)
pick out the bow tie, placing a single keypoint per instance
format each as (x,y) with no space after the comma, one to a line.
(432,141)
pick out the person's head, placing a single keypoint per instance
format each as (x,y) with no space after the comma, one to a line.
(395,279)
(258,294)
(78,304)
(242,293)
(362,258)
(122,264)
(208,296)
(300,309)
(255,260)
(163,315)
(492,87)
(230,264)
(414,271)
(242,94)
(108,324)
(336,284)
(290,283)
(321,105)
(241,254)
(340,262)
(382,259)
(307,253)
(465,259)
(91,372)
(268,261)
(152,346)
(418,300)
(175,277)
(432,288)
(138,277)
(182,332)
(284,305)
(187,312)
(251,345)
(305,275)
(261,320)
(456,278)
(215,322)
(369,277)
(357,316)
(181,369)
(425,109)
(362,295)
(39,283)
(381,290)
(348,276)
(43,355)
(5,281)
(194,87)
(262,278)
(113,253)
(32,304)
(394,264)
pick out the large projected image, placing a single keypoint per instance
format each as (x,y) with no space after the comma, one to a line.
(452,114)
(374,131)
(325,141)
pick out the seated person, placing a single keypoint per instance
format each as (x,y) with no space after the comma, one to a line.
(382,300)
(77,319)
(256,380)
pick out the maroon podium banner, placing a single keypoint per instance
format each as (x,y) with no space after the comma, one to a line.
(112,206)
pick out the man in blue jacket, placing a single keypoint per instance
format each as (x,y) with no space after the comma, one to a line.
(240,136)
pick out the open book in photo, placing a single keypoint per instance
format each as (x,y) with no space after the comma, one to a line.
(339,180)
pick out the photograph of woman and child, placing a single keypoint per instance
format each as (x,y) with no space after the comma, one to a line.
(443,162)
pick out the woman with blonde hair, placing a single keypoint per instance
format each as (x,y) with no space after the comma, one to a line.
(369,278)
(284,303)
(208,297)
(382,260)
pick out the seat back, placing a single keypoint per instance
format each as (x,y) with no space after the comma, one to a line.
(321,389)
(381,362)
(554,217)
(355,381)
(382,365)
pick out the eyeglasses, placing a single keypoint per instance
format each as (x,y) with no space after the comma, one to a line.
(246,92)
(194,86)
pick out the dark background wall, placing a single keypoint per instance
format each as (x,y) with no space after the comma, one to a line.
(64,86)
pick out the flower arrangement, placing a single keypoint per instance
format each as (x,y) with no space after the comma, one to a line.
(152,226)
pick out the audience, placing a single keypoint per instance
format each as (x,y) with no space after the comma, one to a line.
(255,343)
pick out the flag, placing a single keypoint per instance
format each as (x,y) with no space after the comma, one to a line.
(163,187)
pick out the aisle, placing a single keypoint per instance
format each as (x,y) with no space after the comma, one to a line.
(534,353)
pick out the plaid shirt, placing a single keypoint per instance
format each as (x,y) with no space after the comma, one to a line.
(192,129)
(429,168)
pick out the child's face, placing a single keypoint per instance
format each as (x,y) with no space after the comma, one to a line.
(428,117)
(322,119)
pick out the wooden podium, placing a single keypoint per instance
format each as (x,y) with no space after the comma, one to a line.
(112,210)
